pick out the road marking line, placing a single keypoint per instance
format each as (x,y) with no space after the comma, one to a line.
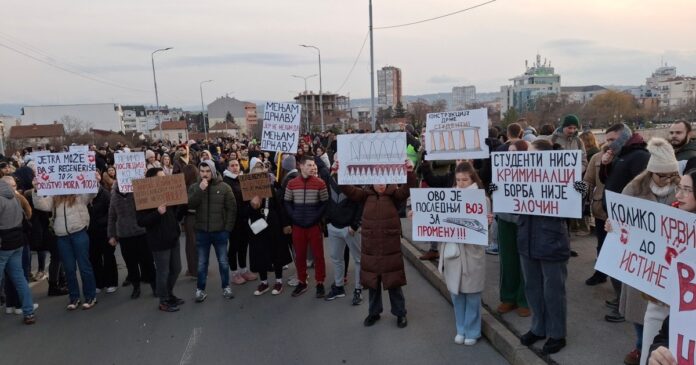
(187,356)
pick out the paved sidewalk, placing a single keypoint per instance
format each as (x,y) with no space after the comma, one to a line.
(591,340)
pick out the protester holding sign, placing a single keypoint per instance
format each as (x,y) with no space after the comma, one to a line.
(267,249)
(239,237)
(70,222)
(658,184)
(162,225)
(381,260)
(544,248)
(464,269)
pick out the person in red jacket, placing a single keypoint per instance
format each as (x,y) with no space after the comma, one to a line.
(305,200)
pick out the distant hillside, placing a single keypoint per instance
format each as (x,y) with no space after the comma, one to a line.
(482,97)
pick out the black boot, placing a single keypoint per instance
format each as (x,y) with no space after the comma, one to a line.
(136,291)
(152,285)
(54,290)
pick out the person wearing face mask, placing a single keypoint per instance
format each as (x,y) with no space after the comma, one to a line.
(381,261)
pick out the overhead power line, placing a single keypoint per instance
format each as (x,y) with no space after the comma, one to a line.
(435,18)
(58,66)
(354,63)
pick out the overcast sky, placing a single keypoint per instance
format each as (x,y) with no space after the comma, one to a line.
(250,48)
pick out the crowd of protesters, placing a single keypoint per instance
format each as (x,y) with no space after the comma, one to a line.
(361,223)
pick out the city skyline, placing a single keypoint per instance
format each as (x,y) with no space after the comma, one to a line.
(588,42)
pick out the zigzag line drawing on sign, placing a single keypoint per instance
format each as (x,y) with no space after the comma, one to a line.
(377,148)
(468,223)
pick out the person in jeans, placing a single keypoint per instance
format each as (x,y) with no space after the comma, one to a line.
(70,222)
(11,240)
(162,225)
(216,211)
(305,200)
(342,222)
(123,228)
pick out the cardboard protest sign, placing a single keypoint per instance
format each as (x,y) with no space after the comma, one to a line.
(646,238)
(682,309)
(281,127)
(65,173)
(129,166)
(154,191)
(537,183)
(80,148)
(255,184)
(450,215)
(372,158)
(456,135)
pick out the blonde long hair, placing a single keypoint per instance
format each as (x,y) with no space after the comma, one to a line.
(69,200)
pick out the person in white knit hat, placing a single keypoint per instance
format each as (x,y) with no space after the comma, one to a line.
(658,184)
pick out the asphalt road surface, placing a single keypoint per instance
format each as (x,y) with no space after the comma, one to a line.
(244,330)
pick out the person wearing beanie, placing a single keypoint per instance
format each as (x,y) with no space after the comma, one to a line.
(151,160)
(216,212)
(657,184)
(567,137)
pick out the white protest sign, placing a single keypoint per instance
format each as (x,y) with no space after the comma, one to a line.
(450,215)
(646,237)
(372,158)
(129,166)
(281,127)
(456,135)
(65,173)
(81,148)
(537,183)
(682,309)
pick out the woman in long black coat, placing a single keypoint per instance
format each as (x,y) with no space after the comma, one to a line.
(267,250)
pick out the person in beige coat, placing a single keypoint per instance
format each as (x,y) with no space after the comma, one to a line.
(464,269)
(658,184)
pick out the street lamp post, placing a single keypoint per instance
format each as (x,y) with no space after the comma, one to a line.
(373,121)
(205,126)
(305,90)
(154,77)
(321,105)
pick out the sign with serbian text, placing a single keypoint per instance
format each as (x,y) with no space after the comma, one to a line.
(450,215)
(456,135)
(154,191)
(682,310)
(646,239)
(65,173)
(255,184)
(281,127)
(129,166)
(537,183)
(372,158)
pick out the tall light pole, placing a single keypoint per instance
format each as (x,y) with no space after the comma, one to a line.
(305,90)
(321,104)
(154,77)
(372,76)
(205,126)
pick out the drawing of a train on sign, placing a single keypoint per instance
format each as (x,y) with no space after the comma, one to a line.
(456,135)
(375,158)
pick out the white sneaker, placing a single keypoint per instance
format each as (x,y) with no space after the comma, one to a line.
(97,290)
(293,282)
(459,339)
(227,293)
(9,310)
(470,342)
(19,310)
(111,289)
(200,296)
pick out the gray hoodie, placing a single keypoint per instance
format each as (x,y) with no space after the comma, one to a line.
(10,210)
